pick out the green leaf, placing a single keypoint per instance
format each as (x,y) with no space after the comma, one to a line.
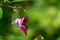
(5,0)
(0,12)
(19,0)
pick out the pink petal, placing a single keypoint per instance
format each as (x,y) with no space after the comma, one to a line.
(24,29)
(25,19)
(17,21)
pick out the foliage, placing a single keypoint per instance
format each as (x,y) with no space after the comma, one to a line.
(1,12)
(43,23)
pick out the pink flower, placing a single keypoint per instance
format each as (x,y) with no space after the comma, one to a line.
(21,22)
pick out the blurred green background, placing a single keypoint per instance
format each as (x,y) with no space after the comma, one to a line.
(43,19)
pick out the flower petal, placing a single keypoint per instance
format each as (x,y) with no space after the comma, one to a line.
(25,19)
(17,21)
(24,29)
